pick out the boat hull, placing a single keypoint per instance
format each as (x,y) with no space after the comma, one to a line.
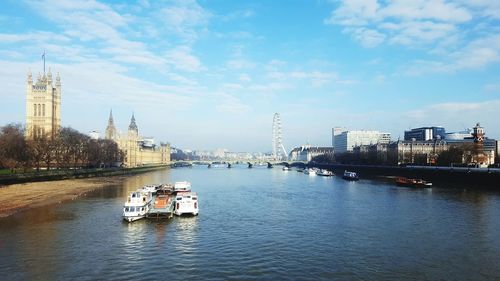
(132,218)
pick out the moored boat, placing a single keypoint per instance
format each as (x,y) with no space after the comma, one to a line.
(324,173)
(181,186)
(286,168)
(402,181)
(350,176)
(310,171)
(151,188)
(137,205)
(186,203)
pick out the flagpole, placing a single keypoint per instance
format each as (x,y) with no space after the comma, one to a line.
(43,57)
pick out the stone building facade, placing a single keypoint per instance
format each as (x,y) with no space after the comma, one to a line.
(43,106)
(137,151)
(307,152)
(420,152)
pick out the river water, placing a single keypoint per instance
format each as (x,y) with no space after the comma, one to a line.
(262,224)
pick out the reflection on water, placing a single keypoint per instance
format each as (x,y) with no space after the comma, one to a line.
(262,224)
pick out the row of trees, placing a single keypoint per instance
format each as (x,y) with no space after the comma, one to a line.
(69,149)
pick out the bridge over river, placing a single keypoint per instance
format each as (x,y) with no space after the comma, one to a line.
(231,163)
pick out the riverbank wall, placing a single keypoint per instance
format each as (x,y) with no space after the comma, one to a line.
(54,175)
(458,176)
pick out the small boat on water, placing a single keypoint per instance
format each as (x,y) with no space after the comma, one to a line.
(324,173)
(186,203)
(350,176)
(151,188)
(286,168)
(402,181)
(182,186)
(137,205)
(310,171)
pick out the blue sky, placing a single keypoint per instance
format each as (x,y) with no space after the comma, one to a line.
(211,74)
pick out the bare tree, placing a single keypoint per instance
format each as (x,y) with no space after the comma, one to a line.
(14,151)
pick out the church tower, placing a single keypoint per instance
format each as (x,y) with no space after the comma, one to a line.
(43,106)
(132,128)
(110,129)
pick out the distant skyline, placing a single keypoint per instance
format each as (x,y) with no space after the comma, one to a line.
(211,74)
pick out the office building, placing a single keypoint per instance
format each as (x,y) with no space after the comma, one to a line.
(425,134)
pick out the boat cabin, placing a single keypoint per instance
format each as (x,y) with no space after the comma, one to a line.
(182,186)
(186,203)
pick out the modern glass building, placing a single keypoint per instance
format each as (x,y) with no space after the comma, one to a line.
(425,133)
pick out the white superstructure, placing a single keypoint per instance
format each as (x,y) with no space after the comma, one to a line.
(137,205)
(150,188)
(186,203)
(181,186)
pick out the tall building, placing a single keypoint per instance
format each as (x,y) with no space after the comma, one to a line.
(425,134)
(138,151)
(43,106)
(335,132)
(345,141)
(110,133)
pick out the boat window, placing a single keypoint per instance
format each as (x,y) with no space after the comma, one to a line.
(125,209)
(179,198)
(194,198)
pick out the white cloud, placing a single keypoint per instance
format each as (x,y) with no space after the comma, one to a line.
(240,63)
(244,78)
(477,54)
(184,18)
(37,37)
(439,10)
(182,59)
(367,37)
(317,78)
(231,104)
(405,22)
(238,15)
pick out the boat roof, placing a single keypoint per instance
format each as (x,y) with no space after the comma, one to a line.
(186,193)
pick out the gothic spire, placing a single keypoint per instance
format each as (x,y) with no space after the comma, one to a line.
(133,125)
(110,120)
(110,129)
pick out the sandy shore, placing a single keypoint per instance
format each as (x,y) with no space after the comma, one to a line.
(16,197)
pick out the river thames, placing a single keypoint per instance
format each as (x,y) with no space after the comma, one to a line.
(262,224)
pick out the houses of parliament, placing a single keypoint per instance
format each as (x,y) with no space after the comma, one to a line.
(43,118)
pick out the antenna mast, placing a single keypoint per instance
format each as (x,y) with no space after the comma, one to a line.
(43,57)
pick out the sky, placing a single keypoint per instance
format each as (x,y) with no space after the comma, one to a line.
(211,74)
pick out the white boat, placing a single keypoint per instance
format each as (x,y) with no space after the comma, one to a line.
(324,173)
(137,205)
(286,168)
(186,203)
(181,186)
(350,176)
(310,171)
(150,188)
